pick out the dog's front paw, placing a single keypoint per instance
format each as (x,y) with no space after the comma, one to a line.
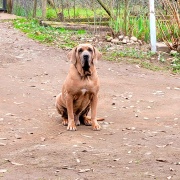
(71,127)
(65,122)
(96,126)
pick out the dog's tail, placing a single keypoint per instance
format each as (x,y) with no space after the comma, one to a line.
(98,118)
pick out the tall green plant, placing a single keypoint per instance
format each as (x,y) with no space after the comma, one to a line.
(170,29)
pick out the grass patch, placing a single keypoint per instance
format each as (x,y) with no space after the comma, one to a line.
(67,39)
(176,63)
(58,36)
(147,60)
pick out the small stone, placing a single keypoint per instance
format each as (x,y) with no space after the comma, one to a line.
(161,46)
(124,41)
(45,73)
(131,42)
(3,170)
(126,37)
(176,88)
(121,37)
(83,170)
(2,144)
(136,115)
(115,41)
(161,160)
(133,38)
(171,169)
(173,52)
(110,48)
(177,163)
(117,159)
(17,136)
(3,138)
(140,42)
(84,150)
(109,39)
(43,139)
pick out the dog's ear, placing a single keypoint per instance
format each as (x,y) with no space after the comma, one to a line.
(97,55)
(72,55)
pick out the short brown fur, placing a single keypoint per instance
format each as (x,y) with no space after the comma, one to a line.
(80,89)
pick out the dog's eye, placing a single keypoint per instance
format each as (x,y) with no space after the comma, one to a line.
(90,50)
(80,50)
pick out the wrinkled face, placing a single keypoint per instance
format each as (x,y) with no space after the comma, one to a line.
(85,55)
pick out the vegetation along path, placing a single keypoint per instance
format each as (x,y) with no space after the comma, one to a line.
(139,137)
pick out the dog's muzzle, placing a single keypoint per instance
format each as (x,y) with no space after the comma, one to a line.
(85,62)
(86,65)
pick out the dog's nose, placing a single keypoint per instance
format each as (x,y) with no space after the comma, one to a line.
(85,57)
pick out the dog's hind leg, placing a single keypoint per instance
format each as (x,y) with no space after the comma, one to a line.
(63,111)
(83,117)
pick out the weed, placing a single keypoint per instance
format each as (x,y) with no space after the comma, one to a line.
(51,13)
(176,63)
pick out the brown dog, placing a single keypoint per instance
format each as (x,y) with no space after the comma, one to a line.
(80,89)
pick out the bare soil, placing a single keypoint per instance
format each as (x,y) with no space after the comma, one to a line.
(139,139)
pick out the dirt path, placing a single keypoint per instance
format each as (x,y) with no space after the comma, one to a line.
(139,139)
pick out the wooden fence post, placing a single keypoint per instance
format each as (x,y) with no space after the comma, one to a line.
(44,5)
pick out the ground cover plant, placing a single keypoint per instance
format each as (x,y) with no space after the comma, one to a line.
(67,39)
(57,36)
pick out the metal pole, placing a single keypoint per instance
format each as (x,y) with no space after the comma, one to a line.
(152,26)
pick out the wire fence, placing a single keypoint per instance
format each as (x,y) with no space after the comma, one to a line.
(128,17)
(72,9)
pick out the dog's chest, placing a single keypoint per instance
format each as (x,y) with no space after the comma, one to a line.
(84,90)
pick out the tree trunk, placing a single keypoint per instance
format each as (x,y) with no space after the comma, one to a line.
(34,8)
(51,3)
(9,6)
(105,8)
(44,4)
(126,16)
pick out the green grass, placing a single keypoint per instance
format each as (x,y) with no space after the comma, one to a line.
(176,63)
(83,12)
(51,13)
(132,53)
(147,60)
(68,39)
(136,26)
(57,36)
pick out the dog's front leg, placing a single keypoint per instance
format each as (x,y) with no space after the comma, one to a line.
(95,124)
(69,105)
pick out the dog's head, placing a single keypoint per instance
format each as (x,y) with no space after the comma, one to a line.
(84,56)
